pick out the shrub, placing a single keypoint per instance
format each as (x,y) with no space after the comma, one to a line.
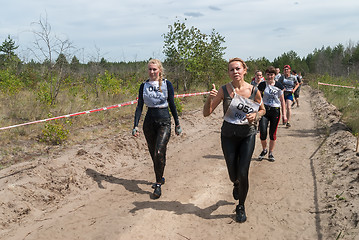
(55,132)
(179,106)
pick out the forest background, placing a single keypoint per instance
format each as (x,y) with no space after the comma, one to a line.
(56,83)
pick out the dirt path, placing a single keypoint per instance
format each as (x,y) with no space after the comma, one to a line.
(101,189)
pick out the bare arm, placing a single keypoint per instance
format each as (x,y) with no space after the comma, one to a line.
(284,110)
(296,86)
(252,117)
(214,99)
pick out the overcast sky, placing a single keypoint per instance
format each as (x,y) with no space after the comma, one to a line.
(131,30)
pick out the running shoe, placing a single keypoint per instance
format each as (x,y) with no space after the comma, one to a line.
(162,182)
(157,191)
(236,191)
(271,157)
(240,214)
(263,153)
(288,125)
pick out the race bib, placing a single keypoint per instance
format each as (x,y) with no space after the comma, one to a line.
(238,110)
(153,97)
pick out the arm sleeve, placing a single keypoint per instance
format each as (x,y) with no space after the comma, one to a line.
(171,102)
(139,107)
(262,86)
(281,78)
(279,85)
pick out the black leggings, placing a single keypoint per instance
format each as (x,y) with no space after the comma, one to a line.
(272,118)
(238,153)
(157,134)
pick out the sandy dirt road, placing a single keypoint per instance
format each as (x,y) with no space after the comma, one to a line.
(102,189)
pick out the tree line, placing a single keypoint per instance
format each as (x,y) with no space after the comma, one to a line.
(193,60)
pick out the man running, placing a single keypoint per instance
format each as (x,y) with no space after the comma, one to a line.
(290,84)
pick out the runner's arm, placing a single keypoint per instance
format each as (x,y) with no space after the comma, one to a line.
(171,102)
(213,100)
(139,107)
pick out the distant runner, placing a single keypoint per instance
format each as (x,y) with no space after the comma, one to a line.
(290,84)
(297,92)
(273,99)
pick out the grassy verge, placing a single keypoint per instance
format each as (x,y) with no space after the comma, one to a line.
(345,99)
(27,142)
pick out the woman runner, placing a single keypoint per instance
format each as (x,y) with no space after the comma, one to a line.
(290,84)
(273,99)
(242,106)
(158,94)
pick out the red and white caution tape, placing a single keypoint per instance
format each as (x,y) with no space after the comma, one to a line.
(333,85)
(191,94)
(95,110)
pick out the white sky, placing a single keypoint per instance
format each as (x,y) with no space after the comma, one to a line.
(130,30)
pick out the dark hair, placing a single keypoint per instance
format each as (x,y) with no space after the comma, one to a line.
(293,71)
(270,69)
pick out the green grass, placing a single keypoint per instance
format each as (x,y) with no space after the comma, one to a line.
(345,99)
(26,142)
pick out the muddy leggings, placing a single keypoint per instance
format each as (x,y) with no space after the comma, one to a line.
(157,134)
(238,153)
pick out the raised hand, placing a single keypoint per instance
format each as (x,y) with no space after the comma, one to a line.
(213,92)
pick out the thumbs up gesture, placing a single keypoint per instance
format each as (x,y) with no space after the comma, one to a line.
(213,92)
(211,103)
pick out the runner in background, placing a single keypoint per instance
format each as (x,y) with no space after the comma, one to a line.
(277,74)
(242,107)
(290,84)
(296,93)
(158,94)
(258,78)
(273,99)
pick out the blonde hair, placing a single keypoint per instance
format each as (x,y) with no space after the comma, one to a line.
(160,67)
(236,59)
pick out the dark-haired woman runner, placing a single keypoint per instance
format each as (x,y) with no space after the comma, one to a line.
(273,99)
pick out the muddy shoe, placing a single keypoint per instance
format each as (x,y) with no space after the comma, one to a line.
(262,155)
(162,182)
(157,191)
(271,157)
(240,214)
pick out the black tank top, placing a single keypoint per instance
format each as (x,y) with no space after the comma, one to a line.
(231,130)
(228,99)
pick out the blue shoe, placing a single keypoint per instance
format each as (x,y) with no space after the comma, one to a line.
(162,182)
